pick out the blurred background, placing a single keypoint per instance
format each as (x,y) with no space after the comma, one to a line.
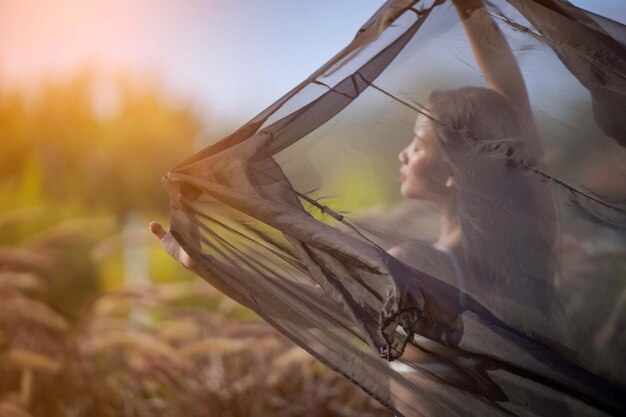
(97,101)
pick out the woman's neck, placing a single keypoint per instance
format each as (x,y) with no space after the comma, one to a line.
(450,236)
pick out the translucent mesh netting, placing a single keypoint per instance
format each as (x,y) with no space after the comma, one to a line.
(487,278)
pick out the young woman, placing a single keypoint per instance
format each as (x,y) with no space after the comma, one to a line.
(472,156)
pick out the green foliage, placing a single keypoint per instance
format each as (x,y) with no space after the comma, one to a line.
(58,146)
(87,148)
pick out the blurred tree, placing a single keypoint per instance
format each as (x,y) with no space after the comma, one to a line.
(108,156)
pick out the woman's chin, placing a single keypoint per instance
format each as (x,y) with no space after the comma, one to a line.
(408,192)
(413,194)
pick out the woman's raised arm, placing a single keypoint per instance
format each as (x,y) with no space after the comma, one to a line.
(493,54)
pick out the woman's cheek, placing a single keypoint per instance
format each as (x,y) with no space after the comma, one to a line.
(410,185)
(416,169)
(414,181)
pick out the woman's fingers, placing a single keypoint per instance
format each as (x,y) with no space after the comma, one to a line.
(157,230)
(171,246)
(166,239)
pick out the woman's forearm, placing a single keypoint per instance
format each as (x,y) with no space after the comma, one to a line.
(493,54)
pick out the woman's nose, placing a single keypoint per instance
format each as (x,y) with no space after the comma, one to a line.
(402,156)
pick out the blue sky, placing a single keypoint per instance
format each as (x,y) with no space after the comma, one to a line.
(232,58)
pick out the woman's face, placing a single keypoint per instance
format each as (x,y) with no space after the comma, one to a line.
(423,173)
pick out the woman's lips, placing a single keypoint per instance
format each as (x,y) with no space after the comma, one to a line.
(402,177)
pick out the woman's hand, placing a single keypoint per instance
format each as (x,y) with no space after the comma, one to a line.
(173,248)
(171,245)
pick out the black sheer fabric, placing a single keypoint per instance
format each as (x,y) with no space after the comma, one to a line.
(489,280)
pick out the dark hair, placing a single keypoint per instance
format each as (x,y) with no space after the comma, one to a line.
(506,216)
(478,118)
